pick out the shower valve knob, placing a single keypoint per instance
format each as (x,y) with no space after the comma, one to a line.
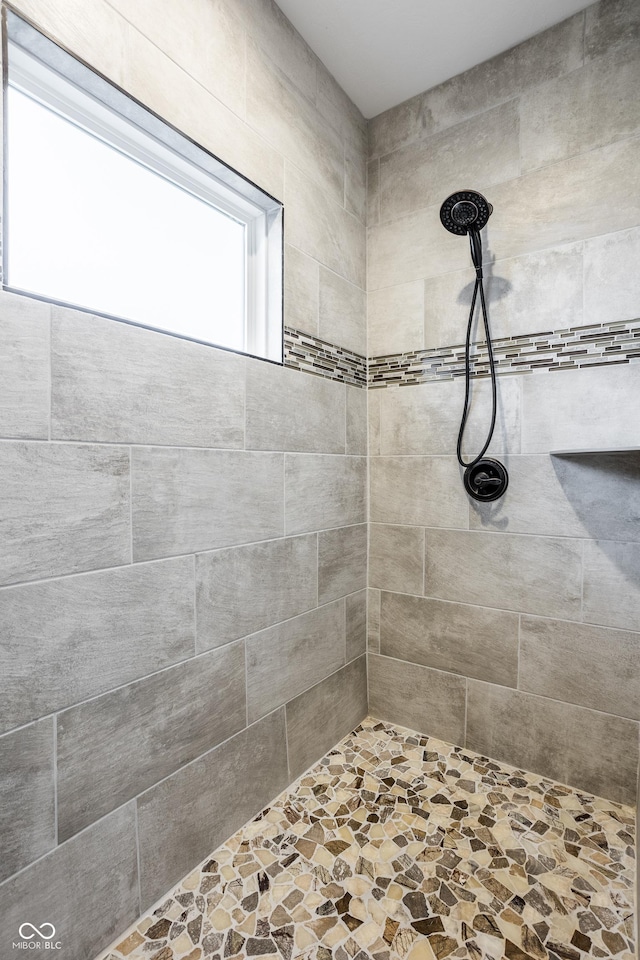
(486,480)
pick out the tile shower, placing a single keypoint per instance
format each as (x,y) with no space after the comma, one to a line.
(184,598)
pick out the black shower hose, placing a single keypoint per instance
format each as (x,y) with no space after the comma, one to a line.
(476,256)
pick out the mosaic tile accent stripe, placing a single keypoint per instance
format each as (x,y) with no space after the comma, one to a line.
(303,351)
(568,349)
(397,846)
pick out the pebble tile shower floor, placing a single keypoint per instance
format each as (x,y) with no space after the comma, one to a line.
(397,846)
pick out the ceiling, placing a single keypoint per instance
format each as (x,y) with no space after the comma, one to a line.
(384,51)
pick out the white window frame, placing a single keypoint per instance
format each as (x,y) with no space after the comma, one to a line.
(37,67)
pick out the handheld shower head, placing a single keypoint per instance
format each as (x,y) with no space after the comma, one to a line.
(465,212)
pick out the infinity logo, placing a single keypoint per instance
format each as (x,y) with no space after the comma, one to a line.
(40,933)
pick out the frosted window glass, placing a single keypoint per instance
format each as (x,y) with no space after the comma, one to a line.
(90,226)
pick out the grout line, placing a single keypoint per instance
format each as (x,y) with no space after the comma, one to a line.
(344,621)
(523,693)
(246,682)
(244,403)
(172,557)
(131,503)
(195,607)
(286,741)
(137,832)
(55,779)
(424,561)
(131,683)
(284,495)
(466,710)
(50,373)
(582,558)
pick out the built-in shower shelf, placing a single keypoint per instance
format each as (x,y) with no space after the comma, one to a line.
(593,452)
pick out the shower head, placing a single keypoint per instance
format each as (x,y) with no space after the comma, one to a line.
(465,212)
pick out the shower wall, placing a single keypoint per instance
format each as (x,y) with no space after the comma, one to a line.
(183,564)
(512,627)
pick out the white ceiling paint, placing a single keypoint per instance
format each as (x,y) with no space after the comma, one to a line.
(382,52)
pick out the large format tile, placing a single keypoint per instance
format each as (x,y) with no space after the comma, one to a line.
(512,287)
(612,584)
(285,660)
(395,319)
(418,697)
(412,248)
(118,745)
(91,633)
(24,367)
(611,281)
(548,496)
(343,312)
(356,433)
(117,383)
(598,752)
(470,641)
(180,34)
(64,509)
(584,196)
(269,27)
(301,290)
(373,621)
(323,229)
(553,53)
(373,422)
(193,500)
(291,410)
(422,491)
(336,106)
(215,795)
(612,27)
(87,888)
(317,719)
(426,172)
(356,624)
(539,575)
(373,192)
(580,410)
(323,492)
(447,301)
(27,796)
(590,108)
(159,83)
(591,666)
(355,177)
(396,558)
(342,562)
(280,113)
(243,589)
(425,419)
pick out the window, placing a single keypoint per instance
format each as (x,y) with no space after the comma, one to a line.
(110,209)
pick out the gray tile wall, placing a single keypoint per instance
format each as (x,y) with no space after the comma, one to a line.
(512,627)
(183,529)
(167,506)
(156,618)
(562,109)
